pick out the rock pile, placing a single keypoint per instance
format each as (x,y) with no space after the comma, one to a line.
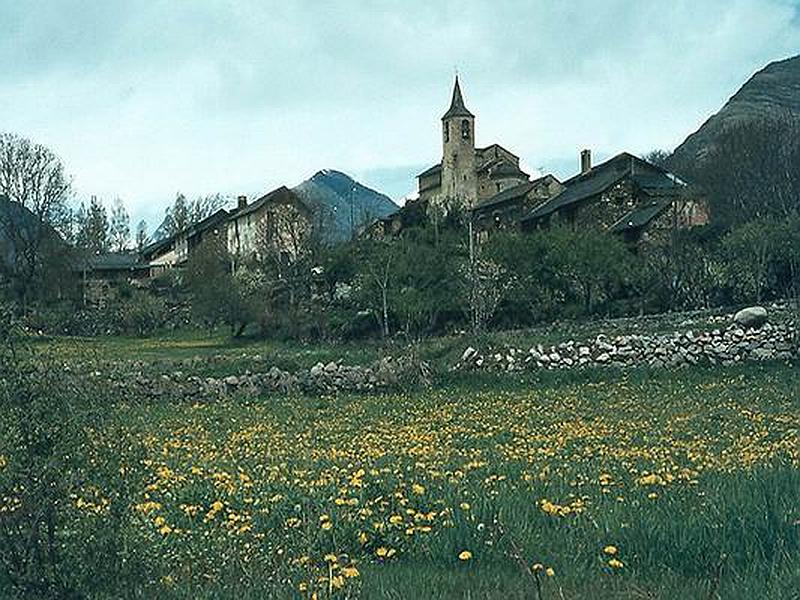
(726,346)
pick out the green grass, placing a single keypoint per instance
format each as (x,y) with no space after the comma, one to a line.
(693,478)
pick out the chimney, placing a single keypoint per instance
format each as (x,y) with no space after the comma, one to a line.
(241,201)
(586,161)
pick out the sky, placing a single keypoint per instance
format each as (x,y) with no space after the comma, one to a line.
(142,100)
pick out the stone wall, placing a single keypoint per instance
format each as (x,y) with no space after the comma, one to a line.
(331,378)
(727,346)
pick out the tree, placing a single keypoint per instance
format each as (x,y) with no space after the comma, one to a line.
(93,228)
(119,227)
(184,213)
(752,169)
(593,262)
(217,296)
(657,157)
(375,279)
(751,251)
(142,239)
(32,178)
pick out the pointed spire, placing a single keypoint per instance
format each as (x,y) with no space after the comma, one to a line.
(457,108)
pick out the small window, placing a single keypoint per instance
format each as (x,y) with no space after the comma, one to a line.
(498,186)
(465,133)
(447,131)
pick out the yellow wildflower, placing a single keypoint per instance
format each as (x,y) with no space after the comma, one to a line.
(465,555)
(610,550)
(350,572)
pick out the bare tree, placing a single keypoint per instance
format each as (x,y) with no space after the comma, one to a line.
(751,170)
(142,238)
(377,277)
(32,178)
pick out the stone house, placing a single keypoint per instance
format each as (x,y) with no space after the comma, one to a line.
(624,195)
(505,209)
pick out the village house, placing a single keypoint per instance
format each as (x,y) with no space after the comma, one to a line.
(175,250)
(625,195)
(278,222)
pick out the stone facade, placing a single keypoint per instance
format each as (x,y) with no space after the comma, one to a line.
(466,175)
(624,195)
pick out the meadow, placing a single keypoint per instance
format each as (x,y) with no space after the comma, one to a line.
(598,484)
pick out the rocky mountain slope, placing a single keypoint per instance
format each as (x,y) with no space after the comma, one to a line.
(345,205)
(747,155)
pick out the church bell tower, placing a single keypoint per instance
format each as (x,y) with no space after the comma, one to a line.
(459,181)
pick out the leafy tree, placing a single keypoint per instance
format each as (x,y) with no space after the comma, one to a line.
(216,295)
(751,251)
(426,269)
(659,158)
(589,265)
(119,227)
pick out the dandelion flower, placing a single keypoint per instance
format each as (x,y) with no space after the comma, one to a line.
(549,571)
(350,572)
(610,550)
(615,564)
(465,555)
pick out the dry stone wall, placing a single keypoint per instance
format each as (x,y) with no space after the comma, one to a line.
(727,346)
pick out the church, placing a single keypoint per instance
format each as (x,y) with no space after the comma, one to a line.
(466,174)
(624,195)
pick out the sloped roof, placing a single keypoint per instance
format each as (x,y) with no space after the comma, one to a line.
(193,229)
(640,216)
(434,169)
(506,169)
(457,108)
(603,177)
(112,261)
(490,146)
(279,194)
(512,193)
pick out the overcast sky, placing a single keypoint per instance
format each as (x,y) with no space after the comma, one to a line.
(144,99)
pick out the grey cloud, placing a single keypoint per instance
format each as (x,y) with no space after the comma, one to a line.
(145,98)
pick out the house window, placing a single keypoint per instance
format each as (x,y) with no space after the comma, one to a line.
(447,132)
(465,129)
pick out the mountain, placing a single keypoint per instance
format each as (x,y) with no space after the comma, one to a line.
(747,156)
(343,204)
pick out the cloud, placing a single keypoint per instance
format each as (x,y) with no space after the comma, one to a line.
(144,99)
